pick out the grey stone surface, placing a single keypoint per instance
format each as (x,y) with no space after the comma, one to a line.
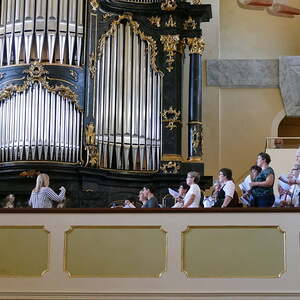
(289,78)
(238,73)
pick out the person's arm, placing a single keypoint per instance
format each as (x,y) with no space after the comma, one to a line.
(226,202)
(53,196)
(190,201)
(267,183)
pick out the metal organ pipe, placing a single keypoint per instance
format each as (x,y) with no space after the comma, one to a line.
(127,104)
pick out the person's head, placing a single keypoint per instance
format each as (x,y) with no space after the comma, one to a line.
(10,198)
(225,174)
(183,188)
(298,156)
(254,171)
(142,198)
(263,159)
(148,190)
(192,177)
(41,181)
(295,170)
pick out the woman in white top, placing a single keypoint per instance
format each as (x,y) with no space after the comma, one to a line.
(42,196)
(192,197)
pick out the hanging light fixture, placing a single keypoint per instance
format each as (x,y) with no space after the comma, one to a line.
(257,3)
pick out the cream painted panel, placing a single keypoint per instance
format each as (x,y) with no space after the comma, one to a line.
(250,252)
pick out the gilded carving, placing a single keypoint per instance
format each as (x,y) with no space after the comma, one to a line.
(135,27)
(196,2)
(196,138)
(37,74)
(91,148)
(190,23)
(106,16)
(171,22)
(170,167)
(155,21)
(170,46)
(74,75)
(94,4)
(169,5)
(171,116)
(196,45)
(92,65)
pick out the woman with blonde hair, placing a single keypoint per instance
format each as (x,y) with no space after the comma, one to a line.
(193,196)
(42,196)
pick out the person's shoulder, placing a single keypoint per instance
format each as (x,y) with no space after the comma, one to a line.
(269,170)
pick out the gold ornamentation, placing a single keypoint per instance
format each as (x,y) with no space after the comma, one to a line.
(170,46)
(155,21)
(92,64)
(91,148)
(171,22)
(169,5)
(171,116)
(90,134)
(196,2)
(37,74)
(106,16)
(94,4)
(135,28)
(196,138)
(170,167)
(196,45)
(189,23)
(30,173)
(172,157)
(74,74)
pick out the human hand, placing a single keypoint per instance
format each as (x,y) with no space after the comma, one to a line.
(252,184)
(62,189)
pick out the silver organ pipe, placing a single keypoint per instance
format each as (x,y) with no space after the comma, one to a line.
(37,124)
(128,104)
(25,24)
(54,134)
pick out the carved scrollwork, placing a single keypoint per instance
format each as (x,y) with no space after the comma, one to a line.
(94,4)
(196,45)
(92,65)
(74,75)
(169,5)
(106,16)
(196,2)
(170,167)
(170,43)
(135,28)
(171,22)
(171,116)
(155,21)
(37,74)
(190,23)
(91,147)
(196,138)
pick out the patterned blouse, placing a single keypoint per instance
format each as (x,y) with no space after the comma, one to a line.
(44,198)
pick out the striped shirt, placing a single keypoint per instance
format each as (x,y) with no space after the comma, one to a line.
(44,198)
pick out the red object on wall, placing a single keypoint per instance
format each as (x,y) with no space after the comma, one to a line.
(285,9)
(261,3)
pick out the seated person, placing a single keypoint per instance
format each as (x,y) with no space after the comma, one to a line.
(9,201)
(183,188)
(150,201)
(247,198)
(227,196)
(211,200)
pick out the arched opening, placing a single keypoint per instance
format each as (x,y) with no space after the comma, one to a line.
(289,127)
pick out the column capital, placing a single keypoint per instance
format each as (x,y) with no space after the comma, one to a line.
(196,45)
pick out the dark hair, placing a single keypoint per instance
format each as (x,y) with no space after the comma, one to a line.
(265,156)
(131,198)
(150,187)
(256,168)
(184,185)
(227,173)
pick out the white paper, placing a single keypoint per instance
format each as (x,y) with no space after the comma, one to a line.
(173,193)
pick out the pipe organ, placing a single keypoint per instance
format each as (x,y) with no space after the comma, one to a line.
(93,89)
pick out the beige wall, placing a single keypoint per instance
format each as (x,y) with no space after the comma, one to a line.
(237,121)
